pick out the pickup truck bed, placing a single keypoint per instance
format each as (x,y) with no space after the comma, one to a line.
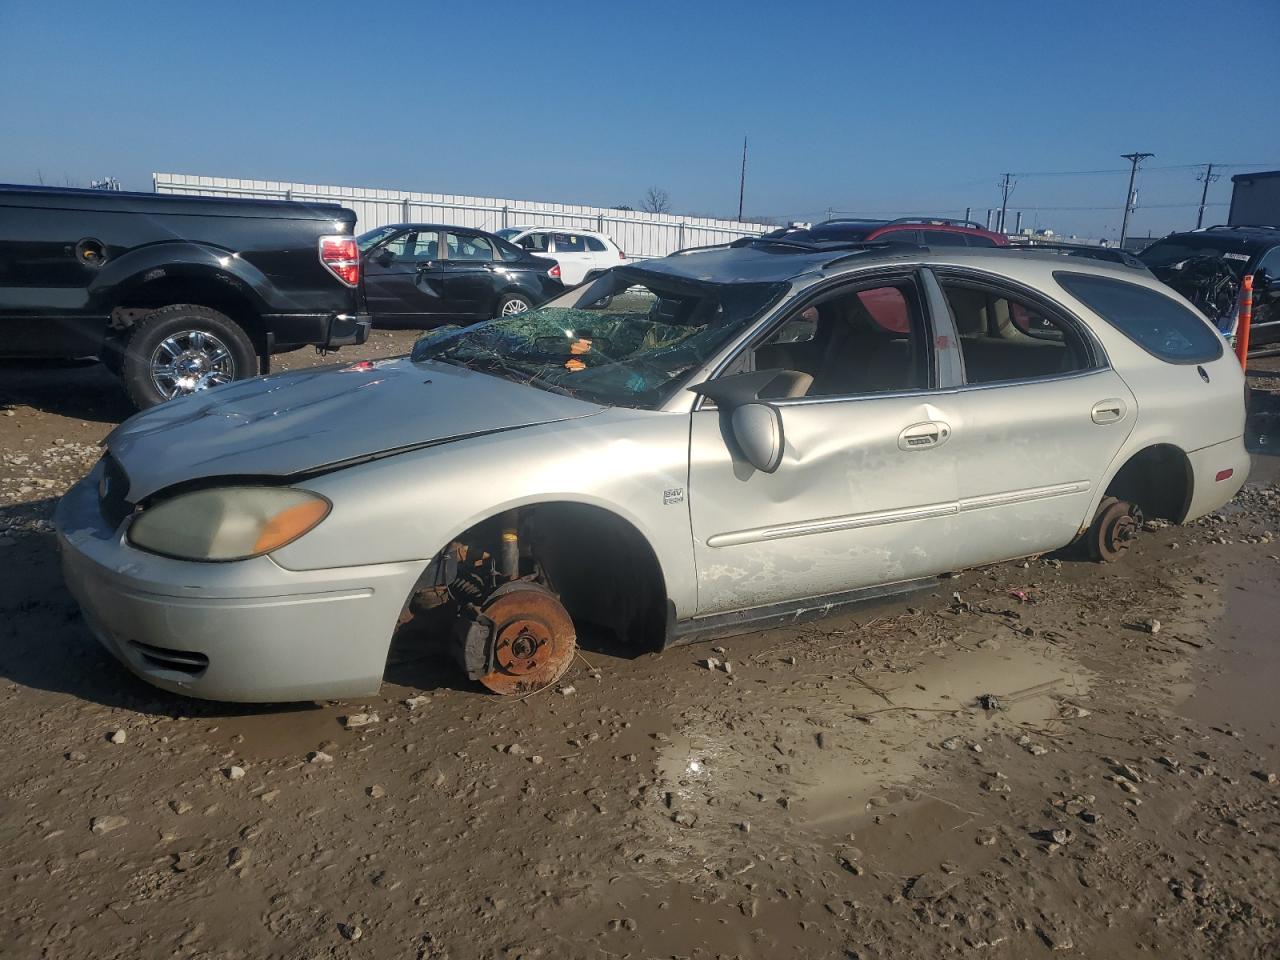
(174,293)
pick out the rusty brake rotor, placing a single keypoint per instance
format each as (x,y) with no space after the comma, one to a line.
(533,637)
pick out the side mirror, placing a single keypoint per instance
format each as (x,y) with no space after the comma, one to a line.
(757,427)
(756,424)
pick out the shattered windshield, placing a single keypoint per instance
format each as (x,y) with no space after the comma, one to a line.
(628,339)
(1177,254)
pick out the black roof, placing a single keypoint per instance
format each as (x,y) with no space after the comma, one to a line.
(1261,175)
(1244,233)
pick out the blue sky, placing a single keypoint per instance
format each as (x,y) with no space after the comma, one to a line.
(865,108)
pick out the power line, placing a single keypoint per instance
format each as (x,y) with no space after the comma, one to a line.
(1119,170)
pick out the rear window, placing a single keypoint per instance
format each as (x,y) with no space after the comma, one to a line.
(596,246)
(1159,324)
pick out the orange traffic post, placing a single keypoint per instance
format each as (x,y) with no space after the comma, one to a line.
(1246,318)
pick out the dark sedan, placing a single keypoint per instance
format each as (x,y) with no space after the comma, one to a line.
(426,274)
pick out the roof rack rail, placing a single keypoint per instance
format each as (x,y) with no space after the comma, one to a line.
(1105,254)
(1240,226)
(941,221)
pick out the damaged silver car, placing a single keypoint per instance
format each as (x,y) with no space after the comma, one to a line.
(692,447)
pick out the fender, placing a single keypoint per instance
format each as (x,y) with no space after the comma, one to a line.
(130,273)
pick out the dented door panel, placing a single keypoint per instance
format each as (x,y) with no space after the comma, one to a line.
(848,506)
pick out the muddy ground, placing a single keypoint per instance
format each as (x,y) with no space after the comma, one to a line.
(839,791)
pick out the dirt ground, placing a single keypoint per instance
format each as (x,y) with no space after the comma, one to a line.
(839,789)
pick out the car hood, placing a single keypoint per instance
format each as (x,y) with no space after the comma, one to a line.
(322,418)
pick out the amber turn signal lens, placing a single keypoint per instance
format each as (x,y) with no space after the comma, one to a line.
(290,524)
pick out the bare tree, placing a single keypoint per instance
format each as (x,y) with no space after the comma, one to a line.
(657,200)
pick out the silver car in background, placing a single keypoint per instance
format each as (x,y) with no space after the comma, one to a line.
(701,445)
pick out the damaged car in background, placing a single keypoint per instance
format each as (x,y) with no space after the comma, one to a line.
(702,445)
(1207,266)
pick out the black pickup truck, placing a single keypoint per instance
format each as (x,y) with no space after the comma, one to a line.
(174,293)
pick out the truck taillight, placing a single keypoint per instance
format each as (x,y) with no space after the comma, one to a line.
(341,257)
(554,272)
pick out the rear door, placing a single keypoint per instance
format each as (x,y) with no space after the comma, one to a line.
(570,251)
(1038,421)
(403,279)
(470,281)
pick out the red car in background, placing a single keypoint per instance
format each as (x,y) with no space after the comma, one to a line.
(886,306)
(920,231)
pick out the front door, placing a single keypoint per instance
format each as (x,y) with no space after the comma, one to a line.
(865,493)
(403,279)
(1038,422)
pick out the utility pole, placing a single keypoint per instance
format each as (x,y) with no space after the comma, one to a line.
(1006,184)
(1134,159)
(742,182)
(1208,177)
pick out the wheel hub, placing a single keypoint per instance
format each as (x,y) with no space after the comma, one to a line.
(190,361)
(1116,527)
(533,639)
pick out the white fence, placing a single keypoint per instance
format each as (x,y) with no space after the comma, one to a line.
(639,234)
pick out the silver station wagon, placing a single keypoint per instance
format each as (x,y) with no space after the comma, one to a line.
(691,447)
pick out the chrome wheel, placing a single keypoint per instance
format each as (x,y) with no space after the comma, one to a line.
(190,361)
(512,307)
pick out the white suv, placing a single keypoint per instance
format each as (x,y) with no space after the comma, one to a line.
(581,254)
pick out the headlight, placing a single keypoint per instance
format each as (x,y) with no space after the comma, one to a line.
(228,523)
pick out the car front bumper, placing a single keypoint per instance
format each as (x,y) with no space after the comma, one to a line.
(247,630)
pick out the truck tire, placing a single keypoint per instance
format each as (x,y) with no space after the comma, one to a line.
(181,349)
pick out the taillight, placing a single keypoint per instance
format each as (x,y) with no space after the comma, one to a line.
(554,272)
(621,254)
(341,257)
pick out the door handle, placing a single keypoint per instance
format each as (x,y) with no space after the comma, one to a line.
(924,436)
(1108,411)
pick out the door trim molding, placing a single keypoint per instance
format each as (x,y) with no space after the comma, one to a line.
(928,511)
(852,521)
(1024,495)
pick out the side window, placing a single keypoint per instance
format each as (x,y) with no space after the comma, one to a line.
(468,247)
(535,242)
(899,236)
(1005,337)
(976,240)
(570,243)
(421,245)
(943,238)
(852,342)
(1159,324)
(595,245)
(508,252)
(1270,264)
(399,245)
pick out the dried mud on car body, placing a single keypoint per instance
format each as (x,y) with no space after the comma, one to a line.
(838,791)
